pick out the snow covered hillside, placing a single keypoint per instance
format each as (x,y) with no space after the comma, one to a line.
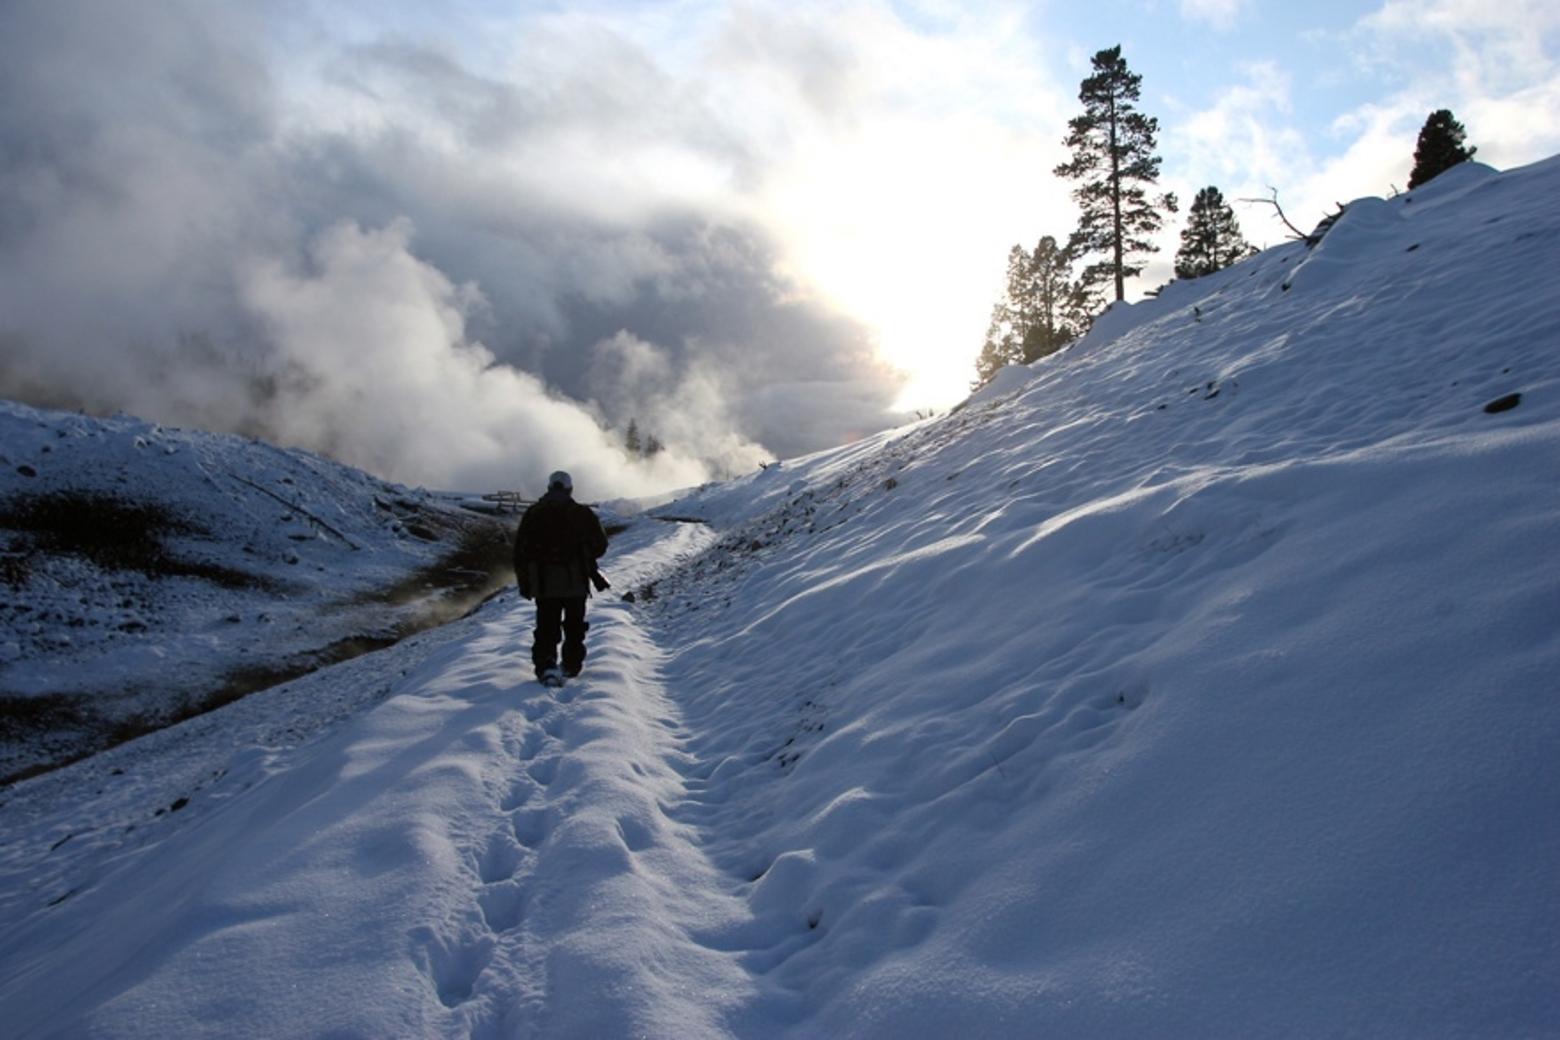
(1196,682)
(153,572)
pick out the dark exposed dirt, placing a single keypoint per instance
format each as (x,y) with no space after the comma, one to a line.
(116,535)
(68,728)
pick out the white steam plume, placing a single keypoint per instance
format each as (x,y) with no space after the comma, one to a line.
(685,410)
(375,368)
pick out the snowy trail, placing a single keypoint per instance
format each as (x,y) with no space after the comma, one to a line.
(591,895)
(475,856)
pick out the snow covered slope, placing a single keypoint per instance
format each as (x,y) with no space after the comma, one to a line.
(151,571)
(1207,685)
(1201,684)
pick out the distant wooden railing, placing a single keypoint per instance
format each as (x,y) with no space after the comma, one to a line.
(507,501)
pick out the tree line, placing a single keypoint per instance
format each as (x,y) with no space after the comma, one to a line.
(1044,305)
(640,444)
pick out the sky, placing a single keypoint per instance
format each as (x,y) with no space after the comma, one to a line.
(464,244)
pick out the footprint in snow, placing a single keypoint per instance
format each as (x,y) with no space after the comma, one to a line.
(518,795)
(636,834)
(499,860)
(543,771)
(534,741)
(531,826)
(452,966)
(503,906)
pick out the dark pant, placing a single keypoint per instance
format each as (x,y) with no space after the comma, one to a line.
(554,618)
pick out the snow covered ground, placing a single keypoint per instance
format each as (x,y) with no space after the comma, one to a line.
(149,571)
(1199,681)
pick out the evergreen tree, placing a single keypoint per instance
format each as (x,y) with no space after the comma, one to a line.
(1042,309)
(1002,346)
(1211,240)
(631,439)
(1114,163)
(1055,304)
(1019,295)
(1440,147)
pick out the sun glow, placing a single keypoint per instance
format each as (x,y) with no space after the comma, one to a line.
(911,239)
(898,204)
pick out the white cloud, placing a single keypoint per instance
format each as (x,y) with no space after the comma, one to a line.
(898,165)
(1243,143)
(1505,39)
(1500,74)
(1517,128)
(1221,14)
(1243,136)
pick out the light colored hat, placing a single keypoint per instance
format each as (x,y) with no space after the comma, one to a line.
(560,479)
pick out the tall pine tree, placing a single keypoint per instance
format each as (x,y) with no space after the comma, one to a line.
(1114,163)
(1440,147)
(1211,240)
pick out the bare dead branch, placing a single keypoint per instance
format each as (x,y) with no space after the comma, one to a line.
(1295,232)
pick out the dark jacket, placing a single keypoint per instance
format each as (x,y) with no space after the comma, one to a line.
(556,548)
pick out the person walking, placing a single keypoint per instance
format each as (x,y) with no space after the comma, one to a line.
(556,548)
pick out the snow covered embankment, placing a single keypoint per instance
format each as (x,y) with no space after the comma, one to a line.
(153,573)
(1203,686)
